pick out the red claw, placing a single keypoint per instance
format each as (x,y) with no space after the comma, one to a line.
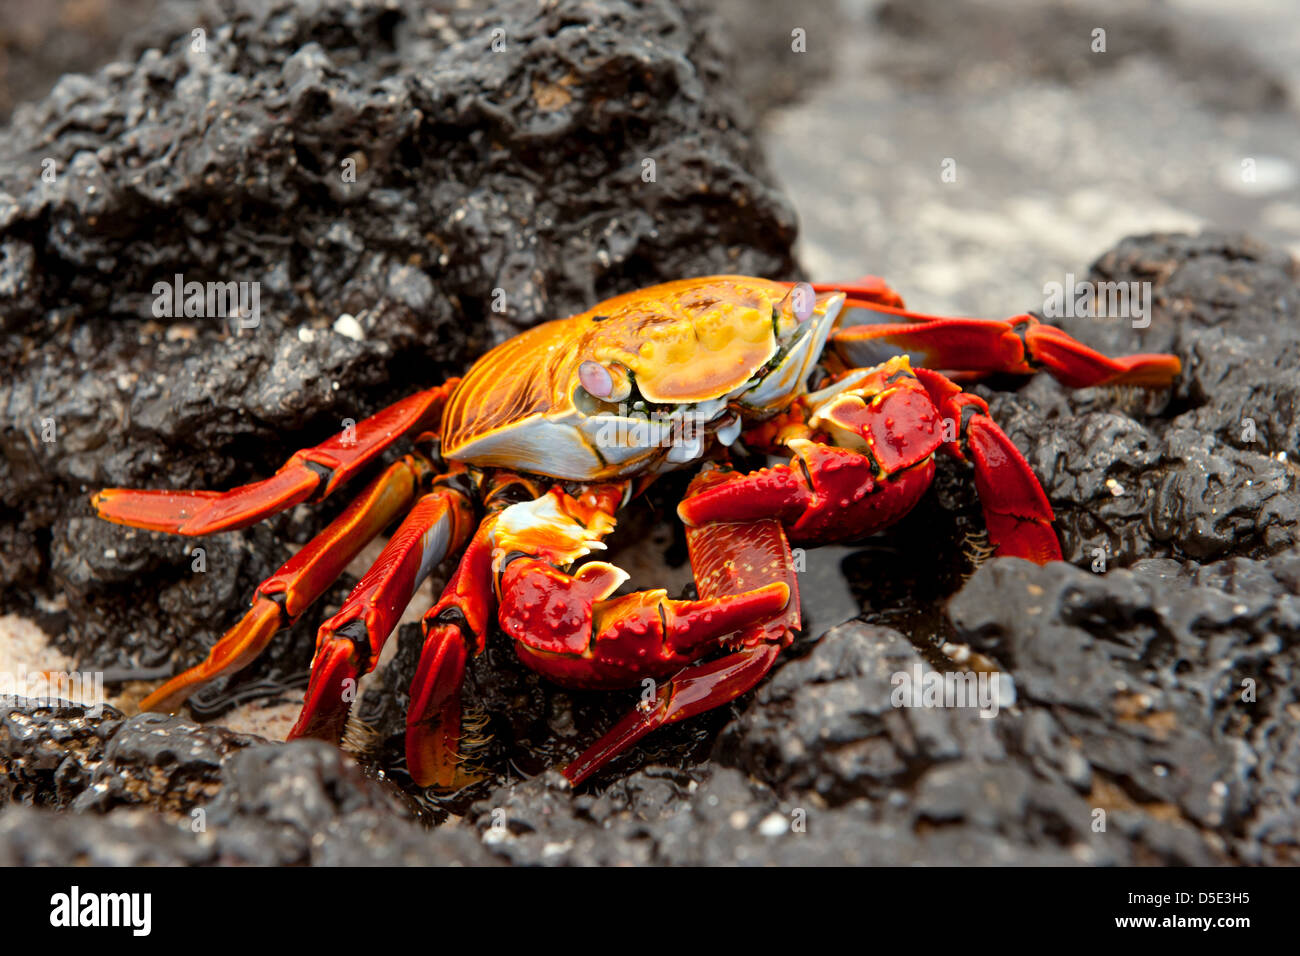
(567,627)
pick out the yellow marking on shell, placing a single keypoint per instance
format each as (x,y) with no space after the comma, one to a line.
(688,341)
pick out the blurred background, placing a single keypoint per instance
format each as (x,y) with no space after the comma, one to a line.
(969,151)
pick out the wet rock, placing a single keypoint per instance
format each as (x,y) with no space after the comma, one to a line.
(49,752)
(1174,680)
(1209,474)
(828,770)
(306,802)
(158,790)
(38,837)
(162,761)
(825,724)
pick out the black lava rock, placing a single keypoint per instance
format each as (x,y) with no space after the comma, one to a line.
(1212,473)
(162,761)
(49,753)
(1175,682)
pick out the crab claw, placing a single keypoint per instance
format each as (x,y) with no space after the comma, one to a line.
(568,628)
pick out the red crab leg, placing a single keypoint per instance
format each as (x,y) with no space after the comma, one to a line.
(570,628)
(349,643)
(1016,510)
(1019,345)
(312,472)
(693,690)
(565,625)
(727,559)
(860,292)
(300,581)
(454,629)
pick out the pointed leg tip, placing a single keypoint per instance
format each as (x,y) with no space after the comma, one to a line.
(166,699)
(171,512)
(431,767)
(334,674)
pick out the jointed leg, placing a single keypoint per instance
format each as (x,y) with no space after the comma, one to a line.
(887,423)
(455,628)
(1020,345)
(571,628)
(301,580)
(1016,510)
(568,626)
(349,643)
(727,559)
(311,473)
(884,429)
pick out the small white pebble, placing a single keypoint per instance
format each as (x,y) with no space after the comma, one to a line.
(1115,487)
(305,334)
(774,825)
(347,326)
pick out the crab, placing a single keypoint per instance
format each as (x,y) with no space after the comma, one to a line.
(521,467)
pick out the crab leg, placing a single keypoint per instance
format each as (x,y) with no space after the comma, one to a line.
(1020,345)
(887,430)
(349,643)
(1016,510)
(727,559)
(283,596)
(571,628)
(310,473)
(454,630)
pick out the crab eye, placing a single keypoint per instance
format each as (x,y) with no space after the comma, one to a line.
(800,302)
(595,378)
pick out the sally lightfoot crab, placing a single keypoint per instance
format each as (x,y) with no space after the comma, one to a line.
(524,463)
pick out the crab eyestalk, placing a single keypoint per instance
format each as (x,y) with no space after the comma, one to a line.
(609,383)
(799,304)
